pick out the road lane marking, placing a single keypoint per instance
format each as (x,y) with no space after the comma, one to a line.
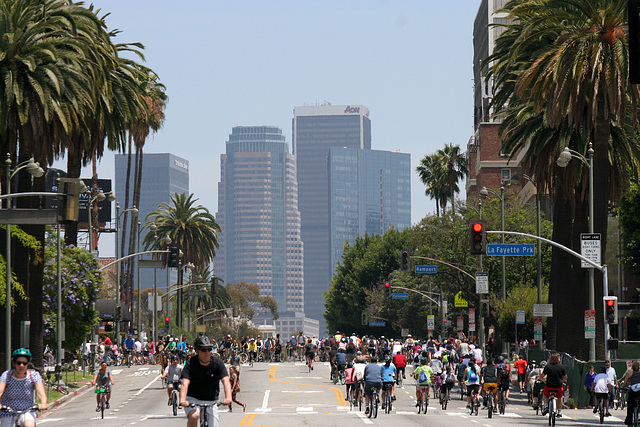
(364,418)
(147,386)
(338,392)
(301,391)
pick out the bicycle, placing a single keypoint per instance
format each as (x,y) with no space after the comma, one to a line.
(374,403)
(601,410)
(553,408)
(502,402)
(175,397)
(18,415)
(204,417)
(463,389)
(635,421)
(399,380)
(387,398)
(309,366)
(102,392)
(423,399)
(490,397)
(358,395)
(475,402)
(620,398)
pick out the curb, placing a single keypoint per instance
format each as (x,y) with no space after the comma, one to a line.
(51,406)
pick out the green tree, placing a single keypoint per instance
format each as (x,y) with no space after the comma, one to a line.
(563,64)
(432,175)
(245,296)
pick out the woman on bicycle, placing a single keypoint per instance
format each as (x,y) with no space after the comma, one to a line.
(631,380)
(16,389)
(472,380)
(103,379)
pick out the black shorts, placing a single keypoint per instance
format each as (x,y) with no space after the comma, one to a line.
(471,388)
(369,386)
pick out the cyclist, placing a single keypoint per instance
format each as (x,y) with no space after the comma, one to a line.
(400,363)
(201,376)
(252,349)
(424,376)
(340,360)
(535,383)
(181,348)
(389,373)
(372,378)
(472,380)
(490,377)
(129,345)
(504,376)
(172,375)
(17,388)
(554,375)
(350,378)
(459,371)
(447,384)
(632,379)
(309,353)
(601,387)
(103,379)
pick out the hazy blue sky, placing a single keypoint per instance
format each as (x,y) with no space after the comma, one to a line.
(228,63)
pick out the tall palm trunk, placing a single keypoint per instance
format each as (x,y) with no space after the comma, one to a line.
(125,221)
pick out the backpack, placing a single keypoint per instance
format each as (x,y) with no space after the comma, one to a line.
(503,372)
(473,376)
(423,378)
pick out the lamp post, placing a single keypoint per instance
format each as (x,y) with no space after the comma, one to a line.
(134,211)
(484,193)
(563,160)
(153,228)
(36,171)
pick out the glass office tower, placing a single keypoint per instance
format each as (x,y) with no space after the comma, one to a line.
(370,193)
(315,130)
(258,213)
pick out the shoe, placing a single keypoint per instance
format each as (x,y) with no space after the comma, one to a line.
(404,378)
(312,368)
(108,406)
(366,411)
(468,406)
(607,414)
(169,402)
(559,414)
(595,410)
(98,409)
(393,397)
(417,404)
(384,405)
(244,407)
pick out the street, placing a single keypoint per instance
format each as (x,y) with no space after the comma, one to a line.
(287,394)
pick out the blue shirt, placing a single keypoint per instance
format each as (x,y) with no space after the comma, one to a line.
(341,358)
(129,343)
(588,380)
(372,374)
(387,373)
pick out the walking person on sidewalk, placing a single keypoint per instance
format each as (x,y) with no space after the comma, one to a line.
(234,375)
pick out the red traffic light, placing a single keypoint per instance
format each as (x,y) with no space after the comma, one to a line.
(610,303)
(387,285)
(166,319)
(477,227)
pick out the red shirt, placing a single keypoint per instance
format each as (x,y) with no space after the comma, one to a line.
(107,341)
(399,361)
(521,364)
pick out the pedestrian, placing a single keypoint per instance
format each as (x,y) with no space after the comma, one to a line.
(631,379)
(234,377)
(588,382)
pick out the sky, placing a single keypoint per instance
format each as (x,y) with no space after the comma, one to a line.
(229,63)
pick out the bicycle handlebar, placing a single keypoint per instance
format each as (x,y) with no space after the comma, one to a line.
(34,408)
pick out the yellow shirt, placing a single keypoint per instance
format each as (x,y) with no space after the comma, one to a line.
(252,346)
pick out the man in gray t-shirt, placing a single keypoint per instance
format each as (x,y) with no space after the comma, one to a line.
(372,378)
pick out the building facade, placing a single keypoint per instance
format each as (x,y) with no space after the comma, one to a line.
(315,130)
(370,192)
(258,212)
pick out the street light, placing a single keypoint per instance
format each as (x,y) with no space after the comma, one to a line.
(36,171)
(563,160)
(153,228)
(484,193)
(100,196)
(134,211)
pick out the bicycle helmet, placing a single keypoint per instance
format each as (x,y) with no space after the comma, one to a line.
(21,352)
(387,359)
(543,363)
(202,342)
(423,360)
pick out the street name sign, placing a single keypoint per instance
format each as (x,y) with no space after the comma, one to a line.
(590,248)
(482,282)
(542,310)
(426,269)
(527,249)
(377,323)
(399,296)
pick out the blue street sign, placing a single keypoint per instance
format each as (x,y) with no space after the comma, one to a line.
(377,324)
(399,296)
(426,269)
(511,250)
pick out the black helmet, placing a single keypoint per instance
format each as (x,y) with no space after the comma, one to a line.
(387,359)
(202,342)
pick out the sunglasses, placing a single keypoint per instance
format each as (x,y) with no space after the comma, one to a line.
(21,363)
(206,350)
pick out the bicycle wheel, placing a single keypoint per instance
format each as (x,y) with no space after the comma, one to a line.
(601,411)
(425,402)
(102,404)
(490,407)
(360,400)
(350,399)
(502,404)
(174,402)
(552,413)
(399,381)
(389,405)
(375,405)
(445,400)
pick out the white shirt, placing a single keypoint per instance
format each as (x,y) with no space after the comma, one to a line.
(601,383)
(397,348)
(612,374)
(359,368)
(138,346)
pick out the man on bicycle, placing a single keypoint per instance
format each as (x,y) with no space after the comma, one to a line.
(340,361)
(129,347)
(389,373)
(171,375)
(424,376)
(490,377)
(310,353)
(103,379)
(372,378)
(252,349)
(602,386)
(201,378)
(400,362)
(504,375)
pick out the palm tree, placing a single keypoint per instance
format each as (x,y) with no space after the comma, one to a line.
(432,175)
(561,77)
(455,167)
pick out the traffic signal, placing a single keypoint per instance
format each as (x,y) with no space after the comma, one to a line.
(364,318)
(174,255)
(387,290)
(404,260)
(611,310)
(484,310)
(478,237)
(167,321)
(68,199)
(118,313)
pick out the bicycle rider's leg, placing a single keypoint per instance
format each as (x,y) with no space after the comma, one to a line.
(169,389)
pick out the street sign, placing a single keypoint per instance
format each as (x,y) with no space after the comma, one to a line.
(543,310)
(431,324)
(520,317)
(404,332)
(482,282)
(377,324)
(460,323)
(472,315)
(399,296)
(537,328)
(589,324)
(426,269)
(590,248)
(527,249)
(459,300)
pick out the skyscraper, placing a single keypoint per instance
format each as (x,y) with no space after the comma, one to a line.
(370,192)
(258,213)
(315,130)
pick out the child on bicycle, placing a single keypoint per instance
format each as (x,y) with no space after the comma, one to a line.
(350,378)
(103,379)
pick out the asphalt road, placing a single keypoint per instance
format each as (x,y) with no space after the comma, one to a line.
(287,394)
